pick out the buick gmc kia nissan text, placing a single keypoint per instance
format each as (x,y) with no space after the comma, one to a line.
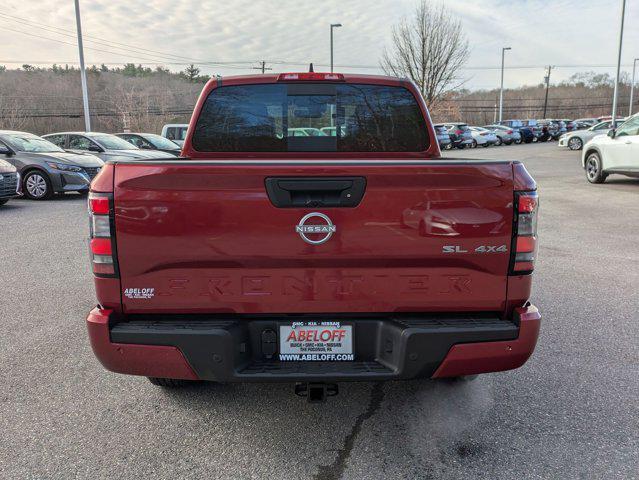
(268,256)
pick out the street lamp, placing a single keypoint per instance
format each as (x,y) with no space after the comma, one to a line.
(83,72)
(333,25)
(501,90)
(632,85)
(614,100)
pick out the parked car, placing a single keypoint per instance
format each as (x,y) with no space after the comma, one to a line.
(443,137)
(483,137)
(577,139)
(256,272)
(151,141)
(102,145)
(570,124)
(176,132)
(585,123)
(9,179)
(308,132)
(540,132)
(45,168)
(555,128)
(526,133)
(459,133)
(505,135)
(614,153)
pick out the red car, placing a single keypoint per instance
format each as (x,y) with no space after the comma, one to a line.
(266,256)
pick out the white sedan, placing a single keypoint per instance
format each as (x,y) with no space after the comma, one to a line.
(483,137)
(617,152)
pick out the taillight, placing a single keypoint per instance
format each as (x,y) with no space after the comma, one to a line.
(102,241)
(524,249)
(509,132)
(459,132)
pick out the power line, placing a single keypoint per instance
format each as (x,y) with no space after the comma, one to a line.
(148,57)
(110,43)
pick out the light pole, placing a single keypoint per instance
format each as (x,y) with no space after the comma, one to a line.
(547,80)
(632,85)
(83,72)
(501,89)
(333,25)
(614,100)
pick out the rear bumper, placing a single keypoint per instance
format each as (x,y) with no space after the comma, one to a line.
(230,350)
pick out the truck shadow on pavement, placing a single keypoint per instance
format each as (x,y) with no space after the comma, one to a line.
(400,429)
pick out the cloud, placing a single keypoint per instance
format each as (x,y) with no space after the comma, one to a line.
(539,31)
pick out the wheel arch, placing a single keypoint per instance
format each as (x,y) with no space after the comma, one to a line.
(587,151)
(37,168)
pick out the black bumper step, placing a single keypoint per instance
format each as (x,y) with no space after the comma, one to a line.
(231,349)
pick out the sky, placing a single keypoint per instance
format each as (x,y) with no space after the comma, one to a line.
(231,36)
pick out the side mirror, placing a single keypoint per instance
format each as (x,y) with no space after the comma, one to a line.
(95,148)
(4,150)
(612,133)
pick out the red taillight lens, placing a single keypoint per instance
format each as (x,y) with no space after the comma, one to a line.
(509,132)
(101,246)
(525,233)
(459,132)
(98,205)
(101,243)
(527,203)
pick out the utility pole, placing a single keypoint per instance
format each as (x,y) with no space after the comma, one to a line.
(333,25)
(262,67)
(547,80)
(616,94)
(632,85)
(83,72)
(501,89)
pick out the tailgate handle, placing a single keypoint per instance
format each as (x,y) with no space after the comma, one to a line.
(315,192)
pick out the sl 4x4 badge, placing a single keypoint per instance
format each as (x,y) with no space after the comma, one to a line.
(480,249)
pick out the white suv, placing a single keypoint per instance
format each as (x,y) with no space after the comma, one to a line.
(617,152)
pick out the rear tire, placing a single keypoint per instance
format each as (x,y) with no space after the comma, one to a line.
(594,172)
(474,144)
(169,382)
(3,201)
(499,141)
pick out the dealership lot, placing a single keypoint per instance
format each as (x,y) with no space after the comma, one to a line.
(571,412)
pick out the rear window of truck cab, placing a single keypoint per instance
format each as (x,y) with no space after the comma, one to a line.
(310,117)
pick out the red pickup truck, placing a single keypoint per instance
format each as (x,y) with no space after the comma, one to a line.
(312,233)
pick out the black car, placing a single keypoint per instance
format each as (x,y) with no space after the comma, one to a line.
(9,181)
(151,141)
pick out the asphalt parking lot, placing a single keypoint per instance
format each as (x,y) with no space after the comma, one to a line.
(571,412)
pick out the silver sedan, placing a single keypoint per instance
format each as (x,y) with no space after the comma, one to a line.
(577,140)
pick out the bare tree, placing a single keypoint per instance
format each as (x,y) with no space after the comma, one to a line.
(429,49)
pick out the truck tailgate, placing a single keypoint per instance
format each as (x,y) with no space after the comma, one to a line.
(204,237)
